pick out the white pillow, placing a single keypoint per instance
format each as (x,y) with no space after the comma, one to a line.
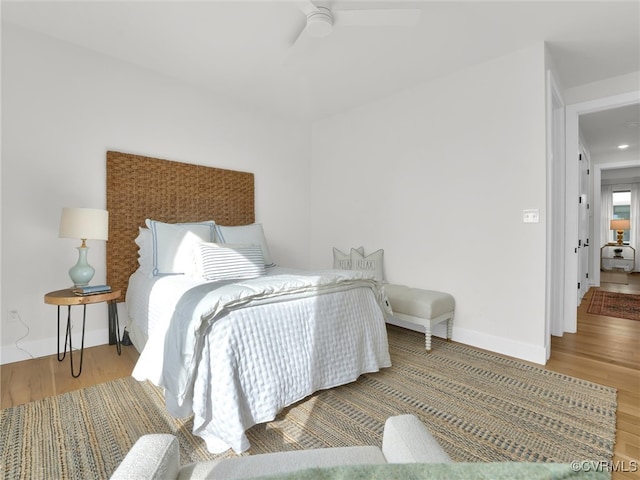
(144,240)
(342,261)
(174,245)
(371,264)
(222,261)
(246,235)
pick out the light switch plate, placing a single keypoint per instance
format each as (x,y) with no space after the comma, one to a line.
(531,216)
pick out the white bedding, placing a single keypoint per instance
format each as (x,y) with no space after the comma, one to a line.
(263,344)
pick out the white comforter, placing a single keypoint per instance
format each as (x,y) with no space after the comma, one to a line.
(235,354)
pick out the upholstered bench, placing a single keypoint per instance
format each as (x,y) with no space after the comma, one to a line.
(422,307)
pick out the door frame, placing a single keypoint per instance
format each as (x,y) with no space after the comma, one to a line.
(554,291)
(572,138)
(584,223)
(597,204)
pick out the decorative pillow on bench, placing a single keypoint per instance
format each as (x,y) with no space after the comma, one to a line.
(341,260)
(356,260)
(371,263)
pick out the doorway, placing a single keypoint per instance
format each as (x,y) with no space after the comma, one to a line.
(599,170)
(572,189)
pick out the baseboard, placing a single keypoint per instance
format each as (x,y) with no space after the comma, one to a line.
(523,351)
(26,350)
(504,346)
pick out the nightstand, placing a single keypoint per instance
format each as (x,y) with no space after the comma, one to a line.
(67,297)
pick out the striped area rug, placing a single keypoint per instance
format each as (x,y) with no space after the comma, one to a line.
(481,407)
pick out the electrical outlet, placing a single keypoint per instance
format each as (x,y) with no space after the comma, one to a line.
(13,316)
(531,216)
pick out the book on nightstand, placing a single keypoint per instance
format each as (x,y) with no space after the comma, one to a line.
(92,290)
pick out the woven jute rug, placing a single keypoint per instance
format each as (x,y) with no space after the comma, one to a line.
(614,304)
(481,407)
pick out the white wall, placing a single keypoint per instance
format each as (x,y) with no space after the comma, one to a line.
(438,176)
(62,109)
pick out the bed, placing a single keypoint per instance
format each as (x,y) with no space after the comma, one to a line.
(232,344)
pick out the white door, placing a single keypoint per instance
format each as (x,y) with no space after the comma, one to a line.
(583,226)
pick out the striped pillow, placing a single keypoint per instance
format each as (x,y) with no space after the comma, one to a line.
(246,235)
(223,261)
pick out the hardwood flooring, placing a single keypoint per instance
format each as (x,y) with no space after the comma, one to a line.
(31,380)
(605,350)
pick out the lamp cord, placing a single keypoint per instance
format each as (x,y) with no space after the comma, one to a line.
(17,315)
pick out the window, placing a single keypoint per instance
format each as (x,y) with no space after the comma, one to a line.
(622,209)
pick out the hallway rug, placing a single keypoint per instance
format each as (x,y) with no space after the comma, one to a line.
(614,304)
(481,407)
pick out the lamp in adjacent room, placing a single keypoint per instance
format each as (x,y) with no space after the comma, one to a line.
(620,225)
(84,224)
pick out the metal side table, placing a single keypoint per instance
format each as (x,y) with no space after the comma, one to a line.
(67,297)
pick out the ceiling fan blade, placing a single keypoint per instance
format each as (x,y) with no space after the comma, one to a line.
(303,48)
(306,6)
(377,17)
(302,40)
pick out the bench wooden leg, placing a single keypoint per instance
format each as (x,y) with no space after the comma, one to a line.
(427,332)
(427,337)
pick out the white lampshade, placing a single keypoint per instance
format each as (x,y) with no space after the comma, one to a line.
(620,224)
(84,223)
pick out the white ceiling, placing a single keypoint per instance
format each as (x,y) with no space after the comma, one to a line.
(242,49)
(605,131)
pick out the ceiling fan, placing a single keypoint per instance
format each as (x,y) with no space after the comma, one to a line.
(321,20)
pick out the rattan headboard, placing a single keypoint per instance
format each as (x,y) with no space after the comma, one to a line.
(141,187)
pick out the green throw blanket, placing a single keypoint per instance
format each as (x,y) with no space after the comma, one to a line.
(453,471)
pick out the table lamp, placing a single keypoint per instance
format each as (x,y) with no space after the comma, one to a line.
(84,224)
(620,225)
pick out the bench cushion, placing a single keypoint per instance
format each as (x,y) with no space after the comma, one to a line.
(419,303)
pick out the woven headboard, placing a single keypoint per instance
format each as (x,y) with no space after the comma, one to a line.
(141,187)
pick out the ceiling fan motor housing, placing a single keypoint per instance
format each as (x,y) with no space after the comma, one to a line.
(320,22)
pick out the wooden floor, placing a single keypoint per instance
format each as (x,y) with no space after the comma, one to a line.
(30,380)
(605,350)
